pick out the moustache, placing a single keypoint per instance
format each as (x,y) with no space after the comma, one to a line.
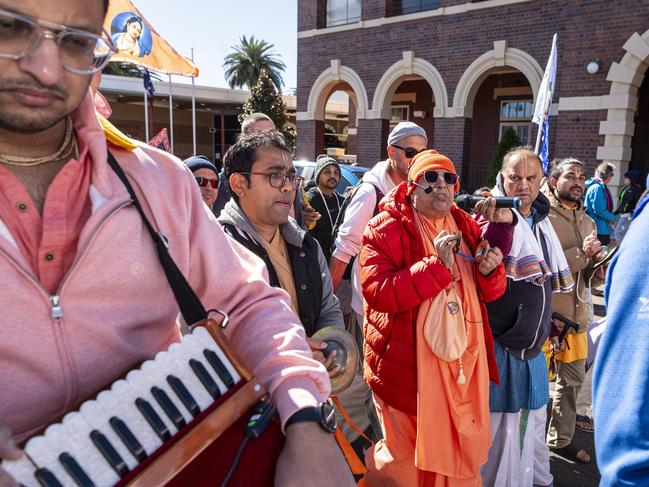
(13,84)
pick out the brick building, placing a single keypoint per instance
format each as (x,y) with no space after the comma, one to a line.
(465,70)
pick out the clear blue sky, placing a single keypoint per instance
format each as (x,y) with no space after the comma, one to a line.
(211,27)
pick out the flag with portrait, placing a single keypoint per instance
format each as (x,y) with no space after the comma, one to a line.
(138,43)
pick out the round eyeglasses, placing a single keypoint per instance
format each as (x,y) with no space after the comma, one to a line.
(278,179)
(80,51)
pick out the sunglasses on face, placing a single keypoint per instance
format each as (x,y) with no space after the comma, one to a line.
(203,182)
(432,176)
(409,151)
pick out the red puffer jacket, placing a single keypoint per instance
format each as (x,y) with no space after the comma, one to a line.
(396,278)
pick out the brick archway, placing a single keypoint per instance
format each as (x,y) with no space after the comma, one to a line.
(320,91)
(626,77)
(391,79)
(501,55)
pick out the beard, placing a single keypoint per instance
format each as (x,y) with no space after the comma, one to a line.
(568,196)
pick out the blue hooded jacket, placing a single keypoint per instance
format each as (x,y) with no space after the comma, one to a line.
(621,378)
(596,206)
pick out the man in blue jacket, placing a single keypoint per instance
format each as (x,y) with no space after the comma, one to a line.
(599,202)
(621,380)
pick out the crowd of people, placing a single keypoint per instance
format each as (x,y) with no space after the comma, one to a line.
(461,319)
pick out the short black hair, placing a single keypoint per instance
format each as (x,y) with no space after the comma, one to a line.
(557,167)
(241,156)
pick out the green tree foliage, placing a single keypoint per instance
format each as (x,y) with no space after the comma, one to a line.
(265,99)
(243,67)
(508,141)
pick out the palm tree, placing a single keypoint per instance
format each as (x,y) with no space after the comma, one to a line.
(243,66)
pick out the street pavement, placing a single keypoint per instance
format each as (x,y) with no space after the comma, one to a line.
(568,473)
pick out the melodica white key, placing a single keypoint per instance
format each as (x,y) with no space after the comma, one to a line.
(97,417)
(45,455)
(178,365)
(76,446)
(195,346)
(209,343)
(122,404)
(22,471)
(140,382)
(158,375)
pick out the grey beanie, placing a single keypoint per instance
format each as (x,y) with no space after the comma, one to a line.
(405,129)
(322,162)
(194,163)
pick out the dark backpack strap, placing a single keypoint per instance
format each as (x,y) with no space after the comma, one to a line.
(190,306)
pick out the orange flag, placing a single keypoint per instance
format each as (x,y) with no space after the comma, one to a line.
(138,43)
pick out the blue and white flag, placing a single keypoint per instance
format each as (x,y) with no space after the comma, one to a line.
(544,104)
(148,82)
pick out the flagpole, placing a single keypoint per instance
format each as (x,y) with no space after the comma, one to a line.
(193,108)
(171,117)
(539,133)
(146,115)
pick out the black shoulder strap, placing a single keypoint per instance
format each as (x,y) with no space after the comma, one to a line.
(190,306)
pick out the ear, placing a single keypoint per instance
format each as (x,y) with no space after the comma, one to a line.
(391,152)
(553,182)
(238,184)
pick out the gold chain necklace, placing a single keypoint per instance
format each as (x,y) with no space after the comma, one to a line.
(65,150)
(525,214)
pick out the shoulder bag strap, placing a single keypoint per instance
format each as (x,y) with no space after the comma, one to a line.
(190,306)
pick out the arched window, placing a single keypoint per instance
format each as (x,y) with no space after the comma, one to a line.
(341,12)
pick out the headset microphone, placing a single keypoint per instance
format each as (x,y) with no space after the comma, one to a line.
(427,189)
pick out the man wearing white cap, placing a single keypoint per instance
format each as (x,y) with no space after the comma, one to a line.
(405,141)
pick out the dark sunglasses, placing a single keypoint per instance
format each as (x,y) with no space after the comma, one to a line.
(431,177)
(203,182)
(410,151)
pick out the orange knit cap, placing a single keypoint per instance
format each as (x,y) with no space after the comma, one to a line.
(427,160)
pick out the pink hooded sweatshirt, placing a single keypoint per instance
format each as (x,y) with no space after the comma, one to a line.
(115,309)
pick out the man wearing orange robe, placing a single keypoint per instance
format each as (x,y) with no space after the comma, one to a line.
(428,345)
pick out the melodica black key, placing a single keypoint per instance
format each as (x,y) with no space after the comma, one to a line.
(128,438)
(219,368)
(75,471)
(184,395)
(153,419)
(109,453)
(205,378)
(167,405)
(46,478)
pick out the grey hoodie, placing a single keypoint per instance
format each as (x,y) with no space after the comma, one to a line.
(330,314)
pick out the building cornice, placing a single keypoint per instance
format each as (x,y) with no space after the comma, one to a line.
(440,12)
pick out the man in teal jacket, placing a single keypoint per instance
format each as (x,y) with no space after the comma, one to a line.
(599,202)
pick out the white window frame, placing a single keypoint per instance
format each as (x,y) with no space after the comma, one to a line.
(393,123)
(515,121)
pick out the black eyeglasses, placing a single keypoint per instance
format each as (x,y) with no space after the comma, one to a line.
(410,151)
(431,177)
(278,179)
(203,182)
(80,51)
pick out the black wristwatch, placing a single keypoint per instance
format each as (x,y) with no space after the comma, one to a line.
(324,415)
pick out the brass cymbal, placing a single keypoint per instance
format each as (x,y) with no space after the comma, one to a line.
(347,355)
(603,257)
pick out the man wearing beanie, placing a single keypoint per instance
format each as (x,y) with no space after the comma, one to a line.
(425,274)
(325,200)
(207,177)
(405,140)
